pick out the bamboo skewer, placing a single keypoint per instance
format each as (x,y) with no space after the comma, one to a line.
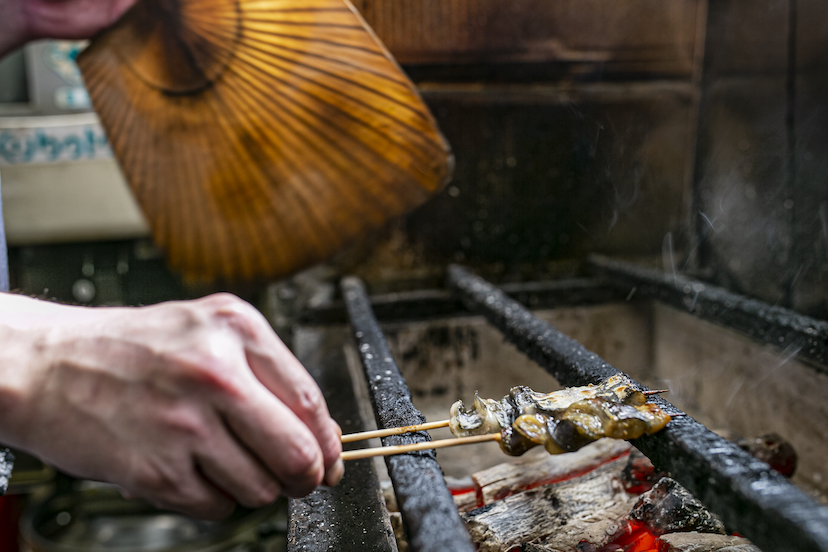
(401,449)
(351,437)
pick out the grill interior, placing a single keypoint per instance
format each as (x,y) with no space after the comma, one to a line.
(445,357)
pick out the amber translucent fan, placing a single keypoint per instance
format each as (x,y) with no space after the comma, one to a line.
(260,136)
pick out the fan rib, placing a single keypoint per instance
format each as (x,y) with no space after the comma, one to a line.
(312,40)
(237,261)
(276,130)
(258,177)
(312,123)
(339,75)
(350,115)
(185,182)
(300,203)
(303,144)
(328,54)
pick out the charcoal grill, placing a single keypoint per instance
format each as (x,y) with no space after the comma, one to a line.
(752,499)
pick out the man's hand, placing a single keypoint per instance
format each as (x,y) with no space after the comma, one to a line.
(25,20)
(194,405)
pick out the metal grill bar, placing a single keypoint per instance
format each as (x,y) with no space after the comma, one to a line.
(751,498)
(765,323)
(352,515)
(426,505)
(432,303)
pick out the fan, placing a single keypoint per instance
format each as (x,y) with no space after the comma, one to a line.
(260,136)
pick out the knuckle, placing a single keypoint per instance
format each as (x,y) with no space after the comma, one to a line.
(184,315)
(229,305)
(223,308)
(157,484)
(222,299)
(187,424)
(238,314)
(215,376)
(309,401)
(333,447)
(204,369)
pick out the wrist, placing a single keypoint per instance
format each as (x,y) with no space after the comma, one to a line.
(26,326)
(18,358)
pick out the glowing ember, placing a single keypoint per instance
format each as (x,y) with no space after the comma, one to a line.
(634,536)
(640,475)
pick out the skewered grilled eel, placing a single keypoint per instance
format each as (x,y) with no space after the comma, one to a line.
(561,421)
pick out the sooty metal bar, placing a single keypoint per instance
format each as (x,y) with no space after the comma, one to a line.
(351,515)
(751,498)
(432,303)
(760,321)
(428,510)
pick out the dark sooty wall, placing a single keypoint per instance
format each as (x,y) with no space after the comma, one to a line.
(686,130)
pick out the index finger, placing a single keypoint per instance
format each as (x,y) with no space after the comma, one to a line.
(285,377)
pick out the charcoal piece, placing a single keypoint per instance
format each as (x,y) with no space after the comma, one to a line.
(588,508)
(673,542)
(704,542)
(640,475)
(465,502)
(773,450)
(759,502)
(668,508)
(539,468)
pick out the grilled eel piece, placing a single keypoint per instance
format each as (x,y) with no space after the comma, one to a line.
(561,421)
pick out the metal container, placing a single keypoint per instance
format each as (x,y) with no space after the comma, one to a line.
(101,520)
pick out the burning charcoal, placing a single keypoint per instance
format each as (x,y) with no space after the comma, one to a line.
(704,542)
(534,470)
(588,508)
(669,508)
(465,502)
(463,492)
(773,450)
(640,475)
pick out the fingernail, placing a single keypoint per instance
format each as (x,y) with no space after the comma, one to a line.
(335,473)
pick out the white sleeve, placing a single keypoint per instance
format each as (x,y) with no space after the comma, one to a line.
(4,259)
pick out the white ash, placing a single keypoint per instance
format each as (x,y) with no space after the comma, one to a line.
(705,542)
(590,507)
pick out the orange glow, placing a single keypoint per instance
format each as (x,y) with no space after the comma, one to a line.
(634,537)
